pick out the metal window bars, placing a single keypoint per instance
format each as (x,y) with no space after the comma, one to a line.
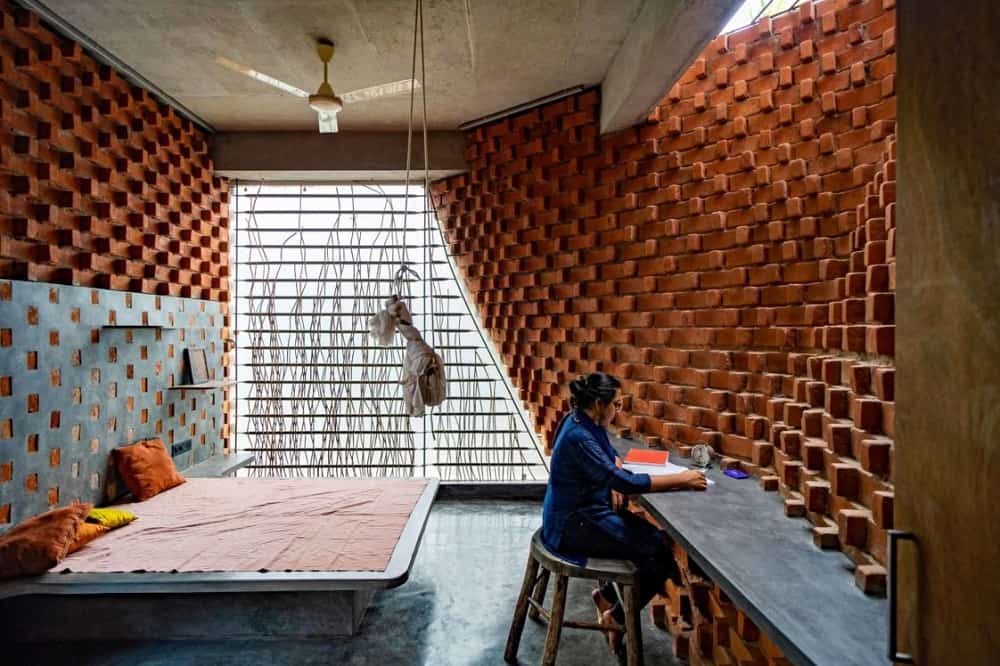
(315,395)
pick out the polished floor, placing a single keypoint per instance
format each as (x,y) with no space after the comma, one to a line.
(454,610)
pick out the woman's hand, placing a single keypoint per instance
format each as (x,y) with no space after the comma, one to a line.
(693,479)
(618,501)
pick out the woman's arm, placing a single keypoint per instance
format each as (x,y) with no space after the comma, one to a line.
(601,468)
(618,501)
(692,479)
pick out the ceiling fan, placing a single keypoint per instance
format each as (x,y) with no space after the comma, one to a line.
(325,102)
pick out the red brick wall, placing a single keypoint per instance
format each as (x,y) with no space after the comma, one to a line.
(731,259)
(100,184)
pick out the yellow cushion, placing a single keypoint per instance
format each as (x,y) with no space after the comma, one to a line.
(87,533)
(111,517)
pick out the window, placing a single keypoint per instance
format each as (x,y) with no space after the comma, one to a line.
(316,396)
(751,10)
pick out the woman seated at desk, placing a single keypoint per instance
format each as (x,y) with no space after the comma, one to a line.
(584,513)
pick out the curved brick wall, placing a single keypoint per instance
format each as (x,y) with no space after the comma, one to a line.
(731,259)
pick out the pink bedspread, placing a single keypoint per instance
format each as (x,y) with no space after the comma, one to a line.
(241,524)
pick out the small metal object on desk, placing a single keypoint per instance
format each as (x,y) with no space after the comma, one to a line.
(701,454)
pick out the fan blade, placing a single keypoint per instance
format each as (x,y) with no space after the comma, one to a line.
(327,123)
(381,90)
(262,77)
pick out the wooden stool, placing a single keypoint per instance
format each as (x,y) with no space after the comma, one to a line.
(532,596)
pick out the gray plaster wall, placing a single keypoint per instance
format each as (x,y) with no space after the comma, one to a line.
(662,42)
(70,390)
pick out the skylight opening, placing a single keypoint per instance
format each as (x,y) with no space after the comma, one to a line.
(752,10)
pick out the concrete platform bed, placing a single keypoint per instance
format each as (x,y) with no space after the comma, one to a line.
(205,604)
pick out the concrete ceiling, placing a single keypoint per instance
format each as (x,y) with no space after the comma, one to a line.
(482,55)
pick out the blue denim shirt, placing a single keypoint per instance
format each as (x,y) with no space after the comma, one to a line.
(581,476)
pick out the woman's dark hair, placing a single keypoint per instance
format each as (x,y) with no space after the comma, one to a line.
(588,389)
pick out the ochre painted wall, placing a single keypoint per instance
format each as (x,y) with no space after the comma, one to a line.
(731,260)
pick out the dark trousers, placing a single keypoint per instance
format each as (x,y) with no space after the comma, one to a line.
(646,546)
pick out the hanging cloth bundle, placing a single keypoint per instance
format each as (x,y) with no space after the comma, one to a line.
(423,379)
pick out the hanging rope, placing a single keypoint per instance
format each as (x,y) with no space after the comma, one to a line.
(427,173)
(423,376)
(400,278)
(417,20)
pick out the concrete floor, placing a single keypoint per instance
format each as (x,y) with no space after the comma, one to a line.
(454,610)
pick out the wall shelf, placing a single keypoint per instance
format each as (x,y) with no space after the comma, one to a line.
(154,326)
(204,386)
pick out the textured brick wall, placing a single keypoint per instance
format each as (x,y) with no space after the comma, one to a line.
(100,184)
(731,259)
(704,624)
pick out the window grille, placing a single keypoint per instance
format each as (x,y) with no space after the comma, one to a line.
(315,395)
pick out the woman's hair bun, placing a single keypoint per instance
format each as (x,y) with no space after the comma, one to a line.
(578,387)
(588,389)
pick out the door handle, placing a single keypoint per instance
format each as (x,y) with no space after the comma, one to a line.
(895,536)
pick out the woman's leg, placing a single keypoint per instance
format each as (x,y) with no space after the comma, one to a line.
(641,543)
(658,563)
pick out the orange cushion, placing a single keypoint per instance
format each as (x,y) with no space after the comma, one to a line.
(85,534)
(41,542)
(146,468)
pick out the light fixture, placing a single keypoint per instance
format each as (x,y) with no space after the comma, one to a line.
(325,102)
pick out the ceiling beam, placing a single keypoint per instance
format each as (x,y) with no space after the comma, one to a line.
(664,40)
(344,156)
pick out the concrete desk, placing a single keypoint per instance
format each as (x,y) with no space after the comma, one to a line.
(804,598)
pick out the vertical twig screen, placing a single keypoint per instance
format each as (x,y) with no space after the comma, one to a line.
(318,397)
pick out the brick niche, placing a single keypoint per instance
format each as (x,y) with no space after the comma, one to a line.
(731,259)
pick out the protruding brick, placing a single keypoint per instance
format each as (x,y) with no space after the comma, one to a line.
(844,481)
(871,579)
(875,455)
(826,537)
(882,509)
(795,508)
(817,496)
(853,526)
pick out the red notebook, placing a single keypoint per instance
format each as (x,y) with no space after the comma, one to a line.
(647,457)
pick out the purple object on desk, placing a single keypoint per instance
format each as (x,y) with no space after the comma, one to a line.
(736,473)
